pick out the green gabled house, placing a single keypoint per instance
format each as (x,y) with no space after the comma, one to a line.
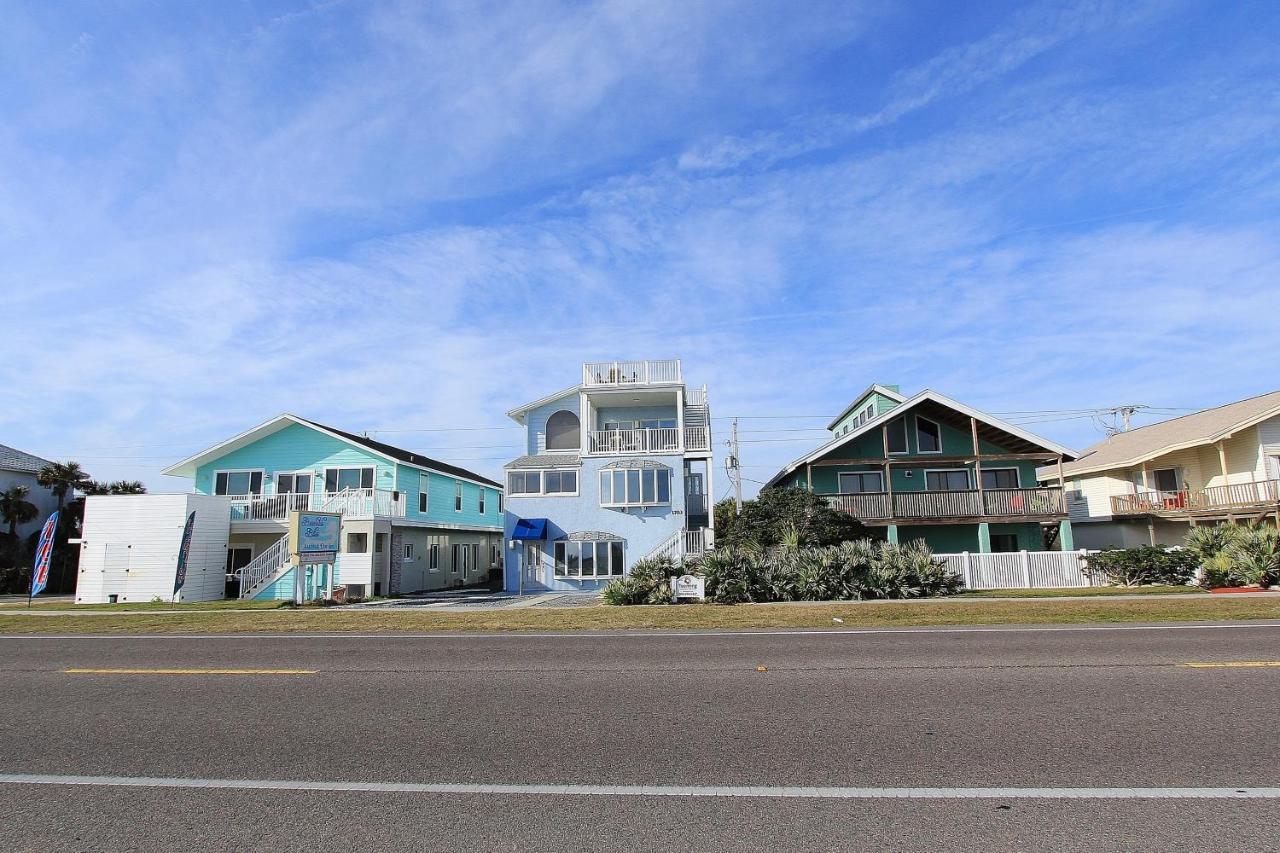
(929,467)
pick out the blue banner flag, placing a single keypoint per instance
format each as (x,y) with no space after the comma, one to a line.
(183,553)
(44,550)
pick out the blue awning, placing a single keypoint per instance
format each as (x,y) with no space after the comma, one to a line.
(530,528)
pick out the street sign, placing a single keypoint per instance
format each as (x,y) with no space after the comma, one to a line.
(689,586)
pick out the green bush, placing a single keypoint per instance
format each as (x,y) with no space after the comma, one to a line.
(782,516)
(1144,565)
(1233,555)
(649,582)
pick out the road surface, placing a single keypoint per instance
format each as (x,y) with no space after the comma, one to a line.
(768,741)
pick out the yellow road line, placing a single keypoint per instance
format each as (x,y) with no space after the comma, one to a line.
(1231,664)
(116,671)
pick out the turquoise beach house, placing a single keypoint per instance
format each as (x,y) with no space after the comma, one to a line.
(409,523)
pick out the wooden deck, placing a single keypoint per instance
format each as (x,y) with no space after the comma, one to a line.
(1259,497)
(1039,504)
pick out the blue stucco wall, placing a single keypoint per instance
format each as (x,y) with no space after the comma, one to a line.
(642,530)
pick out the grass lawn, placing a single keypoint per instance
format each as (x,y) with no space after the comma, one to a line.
(745,616)
(1060,592)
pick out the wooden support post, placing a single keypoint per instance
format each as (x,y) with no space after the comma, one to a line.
(977,464)
(808,476)
(1222,460)
(888,480)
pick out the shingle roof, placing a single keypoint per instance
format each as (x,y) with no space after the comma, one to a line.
(546,460)
(12,459)
(406,455)
(1125,449)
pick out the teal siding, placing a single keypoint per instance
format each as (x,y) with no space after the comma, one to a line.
(296,448)
(280,589)
(440,499)
(882,405)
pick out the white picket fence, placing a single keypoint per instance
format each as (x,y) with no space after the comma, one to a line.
(1022,569)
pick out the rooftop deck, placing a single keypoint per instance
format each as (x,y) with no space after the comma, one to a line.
(626,374)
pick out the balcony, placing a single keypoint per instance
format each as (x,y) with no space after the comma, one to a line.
(914,506)
(351,503)
(628,374)
(607,442)
(1243,496)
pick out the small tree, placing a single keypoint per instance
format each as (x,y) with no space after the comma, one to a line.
(15,509)
(785,513)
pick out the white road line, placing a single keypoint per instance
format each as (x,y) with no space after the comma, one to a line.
(655,634)
(554,790)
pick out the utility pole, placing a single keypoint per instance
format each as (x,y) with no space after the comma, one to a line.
(734,466)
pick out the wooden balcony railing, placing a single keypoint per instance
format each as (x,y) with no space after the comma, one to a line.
(1234,496)
(1024,503)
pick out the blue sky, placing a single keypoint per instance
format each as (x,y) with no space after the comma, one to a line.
(406,217)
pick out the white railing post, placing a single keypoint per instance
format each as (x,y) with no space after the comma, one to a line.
(1026,569)
(968,569)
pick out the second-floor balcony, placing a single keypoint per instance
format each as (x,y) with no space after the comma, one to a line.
(656,440)
(618,374)
(990,503)
(351,503)
(1264,494)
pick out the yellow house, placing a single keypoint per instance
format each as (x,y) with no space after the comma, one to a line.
(1152,484)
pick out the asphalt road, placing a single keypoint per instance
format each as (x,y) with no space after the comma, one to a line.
(950,710)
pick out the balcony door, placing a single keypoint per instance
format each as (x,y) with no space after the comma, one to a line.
(1165,479)
(297,488)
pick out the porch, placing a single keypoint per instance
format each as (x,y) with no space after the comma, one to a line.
(351,503)
(1036,503)
(1261,496)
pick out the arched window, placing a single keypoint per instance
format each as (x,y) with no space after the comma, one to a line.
(562,431)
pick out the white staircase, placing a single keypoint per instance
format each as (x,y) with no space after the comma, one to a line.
(697,420)
(265,568)
(682,544)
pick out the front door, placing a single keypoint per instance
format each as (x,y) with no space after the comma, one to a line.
(532,564)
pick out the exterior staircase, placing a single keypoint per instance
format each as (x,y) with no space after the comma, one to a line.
(265,568)
(682,544)
(697,420)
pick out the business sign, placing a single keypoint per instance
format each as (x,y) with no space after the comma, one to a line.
(314,537)
(184,554)
(44,550)
(689,586)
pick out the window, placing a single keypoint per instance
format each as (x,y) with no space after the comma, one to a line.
(339,479)
(561,482)
(499,503)
(480,501)
(860,483)
(635,486)
(1165,479)
(474,562)
(524,482)
(563,432)
(457,560)
(457,496)
(866,414)
(424,484)
(357,543)
(493,555)
(598,559)
(955,480)
(999,478)
(928,436)
(433,558)
(897,435)
(1004,543)
(237,483)
(379,542)
(291,484)
(408,551)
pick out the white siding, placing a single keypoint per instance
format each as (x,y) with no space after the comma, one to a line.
(130,546)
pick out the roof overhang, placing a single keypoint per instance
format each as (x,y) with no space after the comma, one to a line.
(517,414)
(934,405)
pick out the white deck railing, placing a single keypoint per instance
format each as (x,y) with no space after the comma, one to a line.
(664,440)
(263,567)
(611,374)
(697,438)
(681,544)
(353,503)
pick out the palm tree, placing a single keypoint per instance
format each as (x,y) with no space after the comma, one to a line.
(15,509)
(127,487)
(62,478)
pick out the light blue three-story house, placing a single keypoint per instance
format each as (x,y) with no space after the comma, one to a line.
(616,468)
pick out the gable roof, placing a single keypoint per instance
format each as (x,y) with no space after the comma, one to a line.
(925,397)
(517,414)
(1126,449)
(12,459)
(187,467)
(876,387)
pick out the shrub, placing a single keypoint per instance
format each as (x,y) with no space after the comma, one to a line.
(729,575)
(649,582)
(1209,542)
(1144,565)
(1254,556)
(785,514)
